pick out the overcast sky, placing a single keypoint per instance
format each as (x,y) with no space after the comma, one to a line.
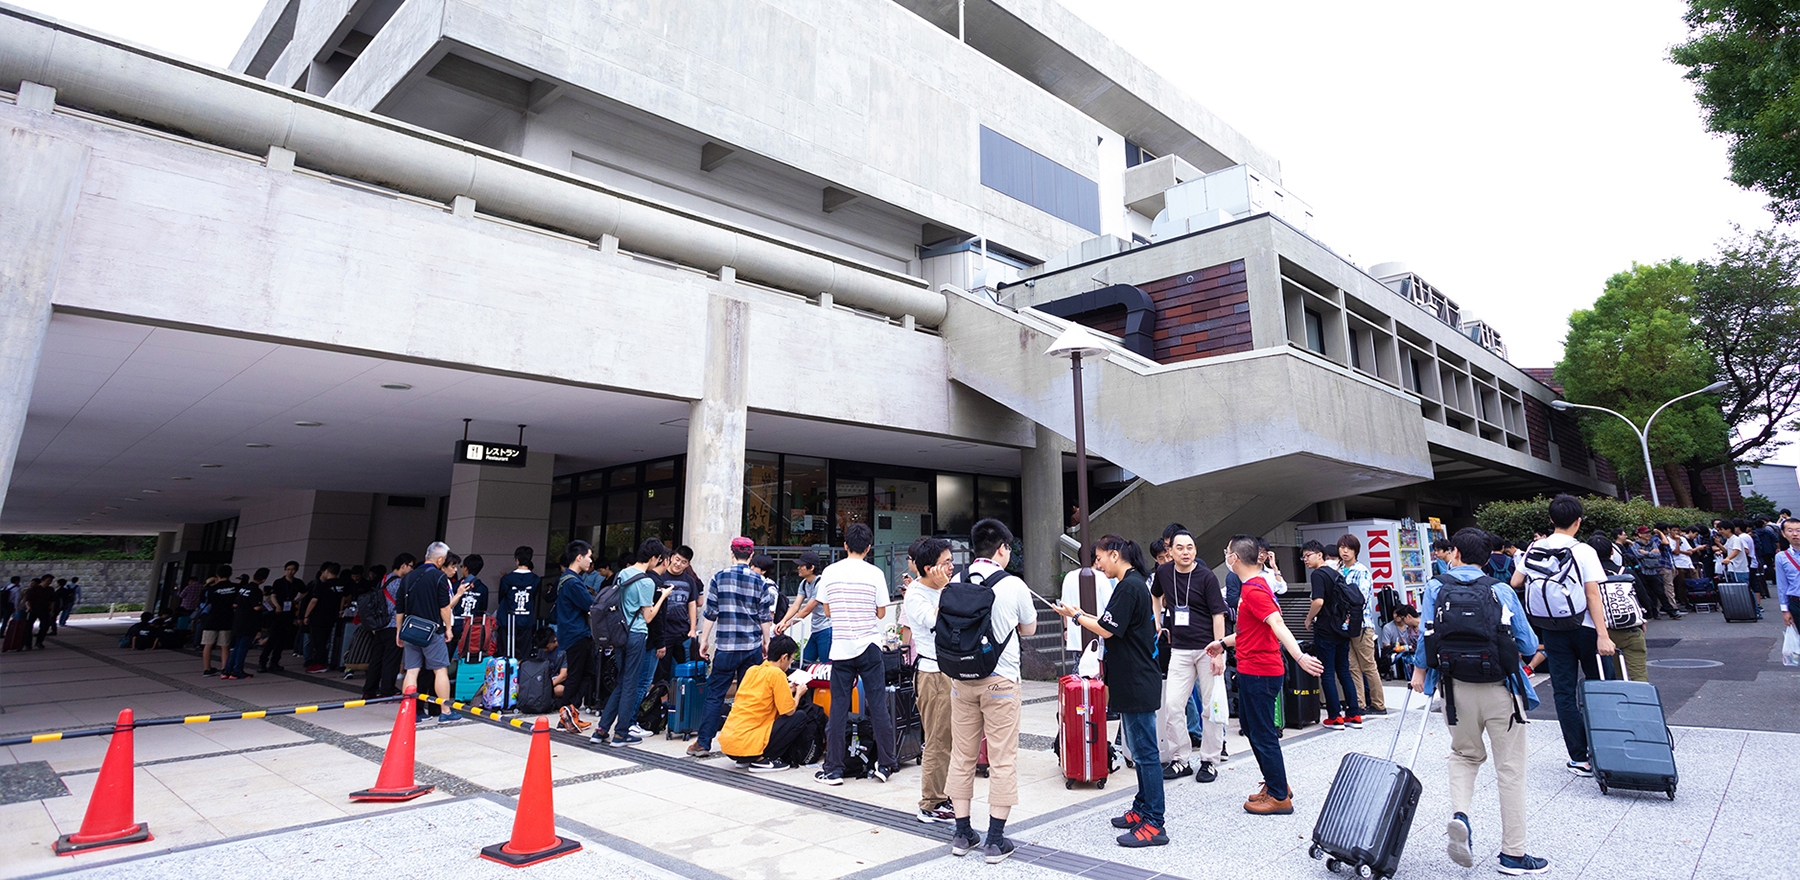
(1515,155)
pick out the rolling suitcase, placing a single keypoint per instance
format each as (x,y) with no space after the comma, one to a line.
(1736,602)
(1369,809)
(687,698)
(469,679)
(1703,594)
(1629,742)
(1081,728)
(909,728)
(15,634)
(1300,697)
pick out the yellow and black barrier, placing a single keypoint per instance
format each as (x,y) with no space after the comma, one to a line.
(193,719)
(522,721)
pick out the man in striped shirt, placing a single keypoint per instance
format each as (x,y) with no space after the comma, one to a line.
(733,635)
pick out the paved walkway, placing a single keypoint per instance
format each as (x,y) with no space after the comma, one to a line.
(264,794)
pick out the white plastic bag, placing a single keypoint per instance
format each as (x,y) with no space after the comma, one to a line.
(800,630)
(1089,664)
(1217,712)
(1790,648)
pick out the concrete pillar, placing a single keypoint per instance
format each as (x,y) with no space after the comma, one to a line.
(1268,309)
(1043,513)
(165,547)
(1335,511)
(309,526)
(496,509)
(713,504)
(40,181)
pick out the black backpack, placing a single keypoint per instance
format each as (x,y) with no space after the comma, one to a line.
(1468,640)
(1342,615)
(967,649)
(537,696)
(607,621)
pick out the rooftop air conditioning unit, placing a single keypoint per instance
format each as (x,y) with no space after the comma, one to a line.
(1222,196)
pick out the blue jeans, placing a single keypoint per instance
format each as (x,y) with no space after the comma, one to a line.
(1570,654)
(1195,716)
(240,646)
(871,671)
(727,667)
(1256,719)
(1335,657)
(622,704)
(1140,738)
(818,647)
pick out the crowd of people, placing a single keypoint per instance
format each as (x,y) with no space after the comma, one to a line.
(32,610)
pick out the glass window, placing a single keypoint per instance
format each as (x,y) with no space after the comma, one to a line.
(955,503)
(806,500)
(852,504)
(559,514)
(659,471)
(624,476)
(996,498)
(621,525)
(1020,172)
(1356,349)
(902,511)
(562,485)
(662,511)
(590,515)
(762,475)
(1315,331)
(592,482)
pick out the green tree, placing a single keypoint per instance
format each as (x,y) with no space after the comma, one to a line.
(1633,351)
(1746,308)
(1758,504)
(1743,57)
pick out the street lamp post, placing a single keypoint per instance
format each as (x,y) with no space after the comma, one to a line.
(1643,435)
(1075,343)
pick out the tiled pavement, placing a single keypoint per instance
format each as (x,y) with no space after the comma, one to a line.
(237,795)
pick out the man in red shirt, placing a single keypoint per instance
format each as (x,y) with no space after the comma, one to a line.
(1260,638)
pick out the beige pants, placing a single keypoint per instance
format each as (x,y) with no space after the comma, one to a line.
(934,716)
(1365,672)
(1630,643)
(1488,709)
(1186,668)
(987,707)
(1668,586)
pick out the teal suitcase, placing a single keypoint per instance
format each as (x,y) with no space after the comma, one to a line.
(469,679)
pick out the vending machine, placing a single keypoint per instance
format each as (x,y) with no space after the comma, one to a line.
(1397,552)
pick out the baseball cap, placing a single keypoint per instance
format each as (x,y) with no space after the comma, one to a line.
(742,543)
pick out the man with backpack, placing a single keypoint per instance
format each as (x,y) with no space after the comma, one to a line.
(931,557)
(620,619)
(1364,670)
(570,620)
(1335,619)
(1475,632)
(977,639)
(377,611)
(735,627)
(1561,579)
(855,595)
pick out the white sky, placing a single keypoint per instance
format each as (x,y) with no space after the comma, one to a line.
(1515,155)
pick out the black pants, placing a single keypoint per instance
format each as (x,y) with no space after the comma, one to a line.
(46,624)
(794,737)
(514,635)
(281,635)
(384,665)
(672,654)
(318,640)
(1571,654)
(579,686)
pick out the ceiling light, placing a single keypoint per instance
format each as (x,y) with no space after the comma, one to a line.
(257,445)
(307,424)
(109,507)
(219,465)
(396,386)
(150,491)
(178,479)
(134,500)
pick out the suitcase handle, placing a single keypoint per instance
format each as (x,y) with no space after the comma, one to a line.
(1600,662)
(1092,732)
(1425,719)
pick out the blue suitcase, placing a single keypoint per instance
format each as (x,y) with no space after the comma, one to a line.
(1629,742)
(687,697)
(469,679)
(690,669)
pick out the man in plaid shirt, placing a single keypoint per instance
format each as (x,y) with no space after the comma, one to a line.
(737,623)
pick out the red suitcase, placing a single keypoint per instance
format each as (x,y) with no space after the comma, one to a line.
(17,630)
(1081,721)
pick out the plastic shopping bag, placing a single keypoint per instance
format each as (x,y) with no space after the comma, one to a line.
(1089,664)
(1217,712)
(1790,647)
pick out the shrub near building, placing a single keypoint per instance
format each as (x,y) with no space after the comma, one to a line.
(1517,519)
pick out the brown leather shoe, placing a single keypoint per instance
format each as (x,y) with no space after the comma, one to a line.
(1269,806)
(1261,794)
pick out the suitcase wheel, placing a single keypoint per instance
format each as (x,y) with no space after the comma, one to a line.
(1069,784)
(1100,784)
(1314,852)
(1671,793)
(1333,865)
(1365,872)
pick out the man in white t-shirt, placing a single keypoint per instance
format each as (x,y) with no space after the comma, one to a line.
(855,596)
(932,558)
(990,706)
(1568,633)
(1740,549)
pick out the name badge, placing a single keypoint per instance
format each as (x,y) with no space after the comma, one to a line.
(1181,617)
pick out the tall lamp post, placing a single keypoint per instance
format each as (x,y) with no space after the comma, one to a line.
(1075,343)
(1643,435)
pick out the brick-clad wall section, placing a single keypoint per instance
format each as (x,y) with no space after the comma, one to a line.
(1201,314)
(1198,314)
(1537,427)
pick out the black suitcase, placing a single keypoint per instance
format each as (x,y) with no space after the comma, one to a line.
(1369,808)
(1736,602)
(1629,742)
(1301,699)
(909,728)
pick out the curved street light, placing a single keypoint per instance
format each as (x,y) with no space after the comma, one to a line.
(1643,435)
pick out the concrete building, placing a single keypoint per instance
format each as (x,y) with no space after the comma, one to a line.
(1776,482)
(727,266)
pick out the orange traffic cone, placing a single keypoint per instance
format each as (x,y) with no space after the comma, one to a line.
(395,782)
(108,822)
(534,825)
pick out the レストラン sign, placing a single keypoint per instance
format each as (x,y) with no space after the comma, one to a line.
(498,454)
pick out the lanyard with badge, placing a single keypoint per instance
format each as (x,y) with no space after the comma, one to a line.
(1186,592)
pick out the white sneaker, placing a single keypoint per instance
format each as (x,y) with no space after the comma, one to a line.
(639,732)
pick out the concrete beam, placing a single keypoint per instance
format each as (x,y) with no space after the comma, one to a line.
(40,184)
(836,198)
(713,155)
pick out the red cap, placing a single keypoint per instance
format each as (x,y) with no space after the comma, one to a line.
(742,543)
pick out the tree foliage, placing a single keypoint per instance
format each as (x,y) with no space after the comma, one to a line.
(1746,309)
(1633,351)
(1517,519)
(35,547)
(1758,504)
(1743,57)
